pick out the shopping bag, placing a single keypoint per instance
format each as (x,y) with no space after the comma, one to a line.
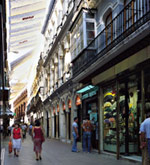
(10,146)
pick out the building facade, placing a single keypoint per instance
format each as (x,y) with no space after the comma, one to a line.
(96,62)
(19,105)
(5,113)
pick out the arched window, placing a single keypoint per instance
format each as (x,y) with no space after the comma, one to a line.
(109,28)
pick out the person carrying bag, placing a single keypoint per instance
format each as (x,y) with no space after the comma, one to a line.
(10,146)
(38,139)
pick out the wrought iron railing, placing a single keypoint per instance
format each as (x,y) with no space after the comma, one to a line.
(135,14)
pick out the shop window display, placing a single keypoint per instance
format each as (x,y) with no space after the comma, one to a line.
(129,118)
(147,85)
(110,113)
(93,115)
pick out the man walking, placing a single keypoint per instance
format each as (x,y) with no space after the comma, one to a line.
(75,134)
(145,137)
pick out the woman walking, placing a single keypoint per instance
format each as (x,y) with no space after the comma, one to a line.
(38,139)
(16,139)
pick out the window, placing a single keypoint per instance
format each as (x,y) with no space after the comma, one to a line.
(77,38)
(110,114)
(109,28)
(90,33)
(83,32)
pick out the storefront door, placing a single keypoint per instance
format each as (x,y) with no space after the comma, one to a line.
(55,125)
(47,124)
(130,114)
(58,125)
(91,110)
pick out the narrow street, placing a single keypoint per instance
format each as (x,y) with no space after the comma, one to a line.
(80,70)
(58,153)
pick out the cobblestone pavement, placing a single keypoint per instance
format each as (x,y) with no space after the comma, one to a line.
(58,153)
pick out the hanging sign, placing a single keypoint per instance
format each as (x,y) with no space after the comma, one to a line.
(78,101)
(64,106)
(69,104)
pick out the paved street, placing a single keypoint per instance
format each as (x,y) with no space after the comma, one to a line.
(58,153)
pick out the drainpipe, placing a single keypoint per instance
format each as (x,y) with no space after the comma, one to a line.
(50,8)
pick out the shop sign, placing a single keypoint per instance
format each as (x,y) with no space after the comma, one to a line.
(92,93)
(89,94)
(85,96)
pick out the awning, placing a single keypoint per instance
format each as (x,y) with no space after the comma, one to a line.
(85,89)
(88,91)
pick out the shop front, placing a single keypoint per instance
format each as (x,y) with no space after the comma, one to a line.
(90,109)
(122,105)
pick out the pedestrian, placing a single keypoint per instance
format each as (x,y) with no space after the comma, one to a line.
(16,139)
(145,137)
(1,129)
(87,132)
(24,129)
(38,139)
(30,129)
(9,130)
(75,134)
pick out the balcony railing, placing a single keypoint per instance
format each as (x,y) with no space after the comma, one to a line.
(132,17)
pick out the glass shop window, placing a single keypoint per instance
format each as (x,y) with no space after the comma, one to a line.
(110,113)
(147,86)
(130,114)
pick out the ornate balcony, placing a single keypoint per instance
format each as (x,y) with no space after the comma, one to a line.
(131,20)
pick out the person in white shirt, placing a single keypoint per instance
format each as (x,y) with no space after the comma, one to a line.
(75,134)
(145,137)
